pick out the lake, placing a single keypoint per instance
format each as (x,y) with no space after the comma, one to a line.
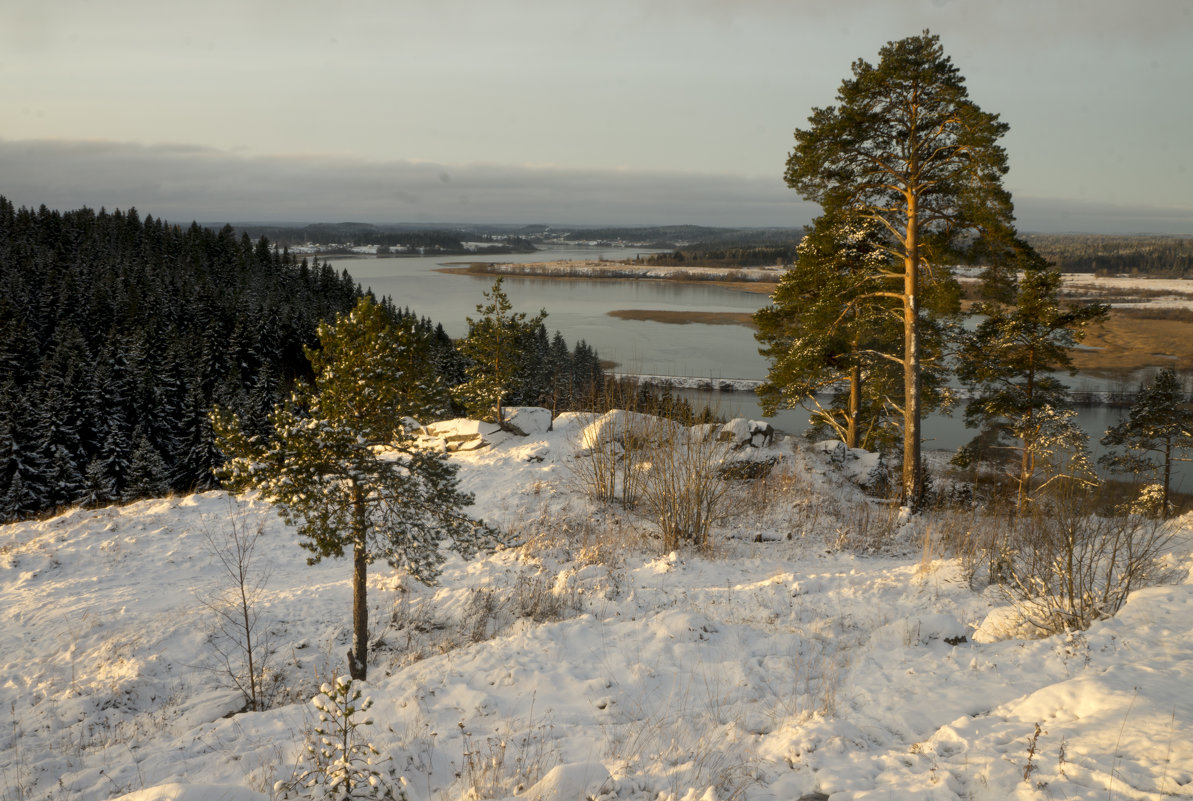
(579,308)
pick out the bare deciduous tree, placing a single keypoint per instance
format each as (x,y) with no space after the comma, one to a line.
(240,645)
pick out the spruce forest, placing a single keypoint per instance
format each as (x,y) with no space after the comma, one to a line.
(118,335)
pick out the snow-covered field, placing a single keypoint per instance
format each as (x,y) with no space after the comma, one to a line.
(585,663)
(1173,293)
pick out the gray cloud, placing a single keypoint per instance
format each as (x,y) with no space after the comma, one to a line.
(1054,215)
(183,183)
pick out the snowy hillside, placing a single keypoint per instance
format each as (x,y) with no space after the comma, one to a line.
(584,663)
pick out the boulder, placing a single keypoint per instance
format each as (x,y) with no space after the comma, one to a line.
(762,434)
(741,432)
(526,421)
(736,432)
(862,467)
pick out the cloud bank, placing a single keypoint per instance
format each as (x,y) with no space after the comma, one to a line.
(182,183)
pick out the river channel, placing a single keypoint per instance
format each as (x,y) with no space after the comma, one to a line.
(579,308)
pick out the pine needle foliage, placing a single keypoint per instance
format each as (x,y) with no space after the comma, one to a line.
(337,765)
(1010,364)
(498,344)
(1157,431)
(345,466)
(834,328)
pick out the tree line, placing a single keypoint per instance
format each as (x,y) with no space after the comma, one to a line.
(448,240)
(712,256)
(1154,256)
(119,334)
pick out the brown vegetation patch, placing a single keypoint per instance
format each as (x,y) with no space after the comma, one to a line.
(685,317)
(1133,338)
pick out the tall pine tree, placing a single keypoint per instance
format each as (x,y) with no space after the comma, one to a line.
(833,322)
(906,148)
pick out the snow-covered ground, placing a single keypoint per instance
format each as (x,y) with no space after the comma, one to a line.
(1171,293)
(586,663)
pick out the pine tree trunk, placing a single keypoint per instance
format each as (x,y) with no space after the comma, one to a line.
(1167,477)
(912,477)
(855,405)
(358,656)
(1027,464)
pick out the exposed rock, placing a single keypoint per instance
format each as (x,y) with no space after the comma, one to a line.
(862,467)
(742,432)
(736,431)
(749,469)
(462,434)
(762,434)
(526,421)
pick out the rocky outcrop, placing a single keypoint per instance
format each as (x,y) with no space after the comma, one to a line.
(526,421)
(742,433)
(462,434)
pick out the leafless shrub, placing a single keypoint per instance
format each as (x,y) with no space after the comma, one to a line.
(807,683)
(580,538)
(504,765)
(690,730)
(481,616)
(683,486)
(865,528)
(675,472)
(607,465)
(538,599)
(240,643)
(533,597)
(977,537)
(788,504)
(1068,568)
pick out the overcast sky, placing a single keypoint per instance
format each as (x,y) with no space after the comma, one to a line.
(564,111)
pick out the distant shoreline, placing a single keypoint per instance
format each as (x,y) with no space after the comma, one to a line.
(757,280)
(1134,336)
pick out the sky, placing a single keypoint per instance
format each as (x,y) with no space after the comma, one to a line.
(565,112)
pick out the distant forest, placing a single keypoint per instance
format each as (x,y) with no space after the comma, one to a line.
(118,334)
(713,256)
(688,245)
(447,241)
(688,239)
(1155,256)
